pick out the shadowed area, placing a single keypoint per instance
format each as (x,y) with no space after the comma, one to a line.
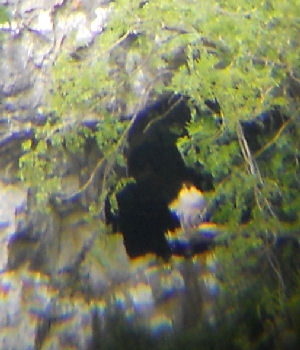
(159,171)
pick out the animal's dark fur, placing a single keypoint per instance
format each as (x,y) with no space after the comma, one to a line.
(159,171)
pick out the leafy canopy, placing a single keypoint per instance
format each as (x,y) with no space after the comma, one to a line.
(245,54)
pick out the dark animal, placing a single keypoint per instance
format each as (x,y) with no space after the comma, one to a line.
(155,163)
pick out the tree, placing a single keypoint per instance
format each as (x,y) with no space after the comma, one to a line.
(238,64)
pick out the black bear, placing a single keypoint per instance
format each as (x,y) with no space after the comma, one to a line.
(155,163)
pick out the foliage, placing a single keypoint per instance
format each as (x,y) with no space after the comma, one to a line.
(243,54)
(4,14)
(4,17)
